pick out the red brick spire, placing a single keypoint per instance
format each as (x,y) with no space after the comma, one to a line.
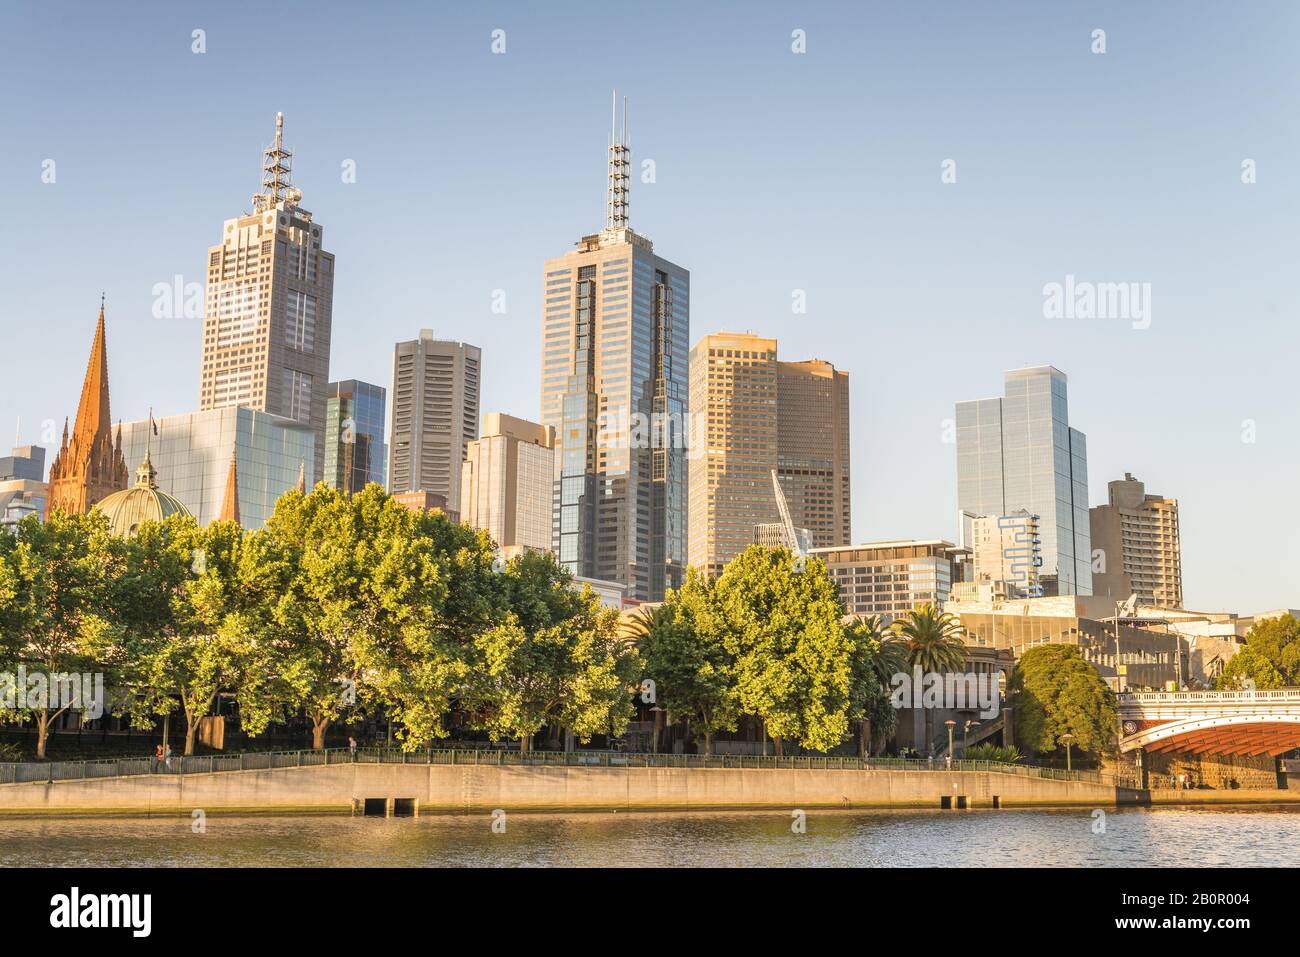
(88,466)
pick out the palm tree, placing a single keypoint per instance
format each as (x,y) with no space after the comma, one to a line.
(932,640)
(875,662)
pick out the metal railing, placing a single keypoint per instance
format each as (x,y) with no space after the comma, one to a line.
(51,771)
(1224,697)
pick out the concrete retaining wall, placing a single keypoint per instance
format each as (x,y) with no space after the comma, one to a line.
(480,788)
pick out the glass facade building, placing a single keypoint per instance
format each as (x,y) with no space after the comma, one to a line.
(191,454)
(615,348)
(355,451)
(1019,452)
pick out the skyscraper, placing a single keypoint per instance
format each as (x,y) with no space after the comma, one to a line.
(1138,537)
(266,327)
(505,485)
(813,449)
(1019,452)
(435,415)
(615,342)
(733,392)
(355,451)
(89,466)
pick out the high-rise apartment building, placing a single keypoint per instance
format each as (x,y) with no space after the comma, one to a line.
(435,414)
(889,579)
(615,341)
(733,394)
(505,485)
(355,451)
(1141,551)
(266,326)
(813,448)
(1006,554)
(1019,452)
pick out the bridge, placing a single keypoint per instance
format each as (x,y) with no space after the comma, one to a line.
(1210,722)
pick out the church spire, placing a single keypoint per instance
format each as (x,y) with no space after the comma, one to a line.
(230,504)
(88,466)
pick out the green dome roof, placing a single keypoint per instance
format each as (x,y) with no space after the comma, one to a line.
(127,509)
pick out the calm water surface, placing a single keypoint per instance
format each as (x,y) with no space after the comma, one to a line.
(1132,837)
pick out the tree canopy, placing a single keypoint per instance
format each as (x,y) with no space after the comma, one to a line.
(1056,692)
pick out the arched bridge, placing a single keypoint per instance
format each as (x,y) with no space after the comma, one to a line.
(1210,722)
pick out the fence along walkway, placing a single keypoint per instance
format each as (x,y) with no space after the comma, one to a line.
(50,771)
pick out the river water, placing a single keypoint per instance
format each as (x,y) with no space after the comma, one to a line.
(1076,837)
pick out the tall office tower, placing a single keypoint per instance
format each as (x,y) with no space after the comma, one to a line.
(733,391)
(505,485)
(615,341)
(813,448)
(88,467)
(355,451)
(1138,536)
(1019,452)
(266,327)
(435,415)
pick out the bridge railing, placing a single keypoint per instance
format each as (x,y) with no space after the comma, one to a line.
(51,771)
(1277,695)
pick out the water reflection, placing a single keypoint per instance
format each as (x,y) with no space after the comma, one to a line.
(1131,837)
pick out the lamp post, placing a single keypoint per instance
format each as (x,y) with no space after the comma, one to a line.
(965,733)
(951,724)
(1067,739)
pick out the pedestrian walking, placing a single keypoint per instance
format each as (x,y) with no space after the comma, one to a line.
(157,758)
(352,747)
(167,756)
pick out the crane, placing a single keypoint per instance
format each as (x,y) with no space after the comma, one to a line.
(796,539)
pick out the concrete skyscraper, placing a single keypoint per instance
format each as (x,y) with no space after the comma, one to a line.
(435,415)
(813,448)
(266,327)
(1019,452)
(505,485)
(1138,537)
(615,344)
(733,391)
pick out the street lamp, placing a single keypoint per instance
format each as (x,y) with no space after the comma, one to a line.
(1066,740)
(951,724)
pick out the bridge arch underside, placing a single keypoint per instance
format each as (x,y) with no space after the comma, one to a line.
(1239,734)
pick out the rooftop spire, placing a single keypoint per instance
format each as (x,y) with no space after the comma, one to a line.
(230,504)
(277,173)
(619,162)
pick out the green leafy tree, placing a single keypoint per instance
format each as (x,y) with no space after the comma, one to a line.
(1270,657)
(873,664)
(557,657)
(361,615)
(931,641)
(197,602)
(58,617)
(686,657)
(792,657)
(1055,692)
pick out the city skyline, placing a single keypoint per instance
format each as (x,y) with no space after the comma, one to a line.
(154,362)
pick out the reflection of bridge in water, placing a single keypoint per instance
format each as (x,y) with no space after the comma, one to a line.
(1252,723)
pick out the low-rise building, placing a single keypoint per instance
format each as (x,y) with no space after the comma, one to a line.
(891,578)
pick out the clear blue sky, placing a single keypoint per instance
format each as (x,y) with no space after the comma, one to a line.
(775,172)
